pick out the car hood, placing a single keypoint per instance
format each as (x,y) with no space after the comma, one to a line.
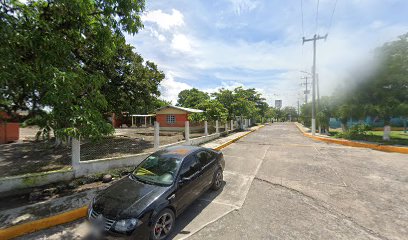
(126,198)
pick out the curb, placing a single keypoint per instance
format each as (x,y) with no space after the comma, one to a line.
(70,216)
(235,139)
(383,148)
(33,226)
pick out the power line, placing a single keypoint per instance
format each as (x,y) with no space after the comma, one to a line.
(317,15)
(331,18)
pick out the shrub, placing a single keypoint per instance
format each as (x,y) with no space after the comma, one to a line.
(358,131)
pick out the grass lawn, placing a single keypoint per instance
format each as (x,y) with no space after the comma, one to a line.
(397,137)
(394,134)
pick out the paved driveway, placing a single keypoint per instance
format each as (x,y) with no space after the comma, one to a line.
(282,185)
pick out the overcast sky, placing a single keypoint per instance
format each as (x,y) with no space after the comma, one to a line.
(230,43)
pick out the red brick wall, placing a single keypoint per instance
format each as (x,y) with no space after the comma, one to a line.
(180,120)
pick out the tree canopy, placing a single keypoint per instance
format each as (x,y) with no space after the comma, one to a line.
(191,98)
(67,63)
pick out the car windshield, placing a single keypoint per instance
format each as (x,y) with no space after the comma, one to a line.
(158,169)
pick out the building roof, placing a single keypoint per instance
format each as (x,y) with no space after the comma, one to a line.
(189,110)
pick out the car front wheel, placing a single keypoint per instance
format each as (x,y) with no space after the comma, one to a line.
(162,225)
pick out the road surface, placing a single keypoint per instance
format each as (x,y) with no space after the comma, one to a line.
(282,185)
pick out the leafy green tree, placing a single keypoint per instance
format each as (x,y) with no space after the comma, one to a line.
(242,102)
(67,63)
(226,98)
(270,113)
(191,98)
(213,110)
(289,112)
(306,114)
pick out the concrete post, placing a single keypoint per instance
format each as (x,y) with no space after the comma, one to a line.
(226,126)
(245,123)
(232,125)
(206,128)
(75,153)
(187,131)
(249,122)
(156,136)
(216,127)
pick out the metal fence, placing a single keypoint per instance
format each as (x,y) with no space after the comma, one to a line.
(31,155)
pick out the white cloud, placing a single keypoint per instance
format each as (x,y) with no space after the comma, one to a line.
(226,85)
(154,33)
(181,43)
(170,88)
(164,20)
(377,24)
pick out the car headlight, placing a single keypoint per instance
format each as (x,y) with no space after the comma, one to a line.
(126,225)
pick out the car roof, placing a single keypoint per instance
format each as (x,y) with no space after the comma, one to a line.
(180,151)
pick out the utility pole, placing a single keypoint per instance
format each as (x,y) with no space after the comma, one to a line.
(318,99)
(314,39)
(318,91)
(306,92)
(298,111)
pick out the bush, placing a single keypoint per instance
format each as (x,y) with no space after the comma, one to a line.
(356,132)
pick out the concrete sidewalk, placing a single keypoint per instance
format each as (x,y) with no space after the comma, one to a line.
(28,213)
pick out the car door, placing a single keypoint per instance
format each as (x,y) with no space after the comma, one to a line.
(207,160)
(188,190)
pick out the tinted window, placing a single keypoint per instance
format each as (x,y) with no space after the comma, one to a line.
(190,166)
(204,157)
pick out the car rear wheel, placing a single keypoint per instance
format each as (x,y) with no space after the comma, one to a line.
(162,225)
(217,180)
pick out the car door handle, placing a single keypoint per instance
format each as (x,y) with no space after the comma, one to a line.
(171,196)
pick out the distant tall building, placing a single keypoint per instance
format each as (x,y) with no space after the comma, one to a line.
(278,103)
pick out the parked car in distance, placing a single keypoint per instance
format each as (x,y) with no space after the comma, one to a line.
(145,204)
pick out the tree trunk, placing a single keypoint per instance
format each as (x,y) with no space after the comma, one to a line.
(343,127)
(405,125)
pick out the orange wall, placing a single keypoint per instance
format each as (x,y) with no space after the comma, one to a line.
(180,120)
(9,132)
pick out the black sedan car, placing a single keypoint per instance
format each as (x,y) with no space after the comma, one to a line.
(144,204)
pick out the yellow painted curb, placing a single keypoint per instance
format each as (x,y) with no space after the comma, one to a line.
(349,143)
(66,217)
(235,139)
(26,228)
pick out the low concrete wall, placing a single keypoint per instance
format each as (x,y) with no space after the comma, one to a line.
(101,165)
(204,139)
(34,179)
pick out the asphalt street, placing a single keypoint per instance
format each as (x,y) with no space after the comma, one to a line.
(280,184)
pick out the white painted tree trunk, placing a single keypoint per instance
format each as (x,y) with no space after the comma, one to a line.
(387,132)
